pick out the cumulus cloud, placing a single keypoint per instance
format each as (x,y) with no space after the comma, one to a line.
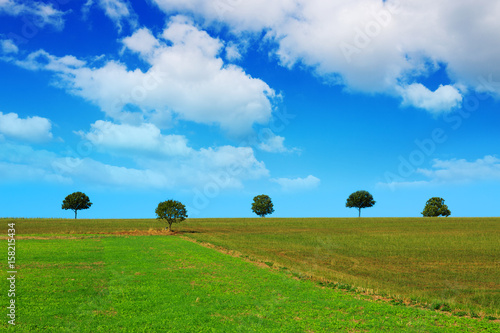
(119,11)
(443,99)
(273,143)
(454,171)
(461,170)
(393,185)
(233,164)
(100,174)
(173,158)
(40,14)
(243,15)
(31,129)
(372,46)
(141,41)
(19,162)
(8,46)
(297,184)
(232,52)
(186,78)
(143,138)
(228,166)
(43,60)
(23,163)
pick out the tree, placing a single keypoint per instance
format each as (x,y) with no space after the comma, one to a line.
(435,207)
(360,199)
(262,205)
(76,201)
(171,211)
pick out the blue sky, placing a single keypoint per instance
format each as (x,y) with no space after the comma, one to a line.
(213,102)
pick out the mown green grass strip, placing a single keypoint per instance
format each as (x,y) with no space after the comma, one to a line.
(166,284)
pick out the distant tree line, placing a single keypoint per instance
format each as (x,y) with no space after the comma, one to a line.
(172,211)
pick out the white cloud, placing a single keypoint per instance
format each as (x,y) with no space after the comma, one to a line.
(227,166)
(454,171)
(32,129)
(96,173)
(42,60)
(393,185)
(23,163)
(41,14)
(230,166)
(183,34)
(457,171)
(272,143)
(187,78)
(443,99)
(10,172)
(297,184)
(242,15)
(8,46)
(236,163)
(86,8)
(144,138)
(119,11)
(171,157)
(232,52)
(141,41)
(371,46)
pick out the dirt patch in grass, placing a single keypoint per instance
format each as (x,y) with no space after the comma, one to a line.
(53,237)
(135,232)
(111,312)
(150,232)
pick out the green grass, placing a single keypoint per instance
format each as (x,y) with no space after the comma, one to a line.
(453,260)
(319,275)
(167,284)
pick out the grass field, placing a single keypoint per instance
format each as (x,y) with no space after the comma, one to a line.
(453,262)
(102,275)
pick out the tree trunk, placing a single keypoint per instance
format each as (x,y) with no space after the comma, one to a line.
(75,213)
(359,209)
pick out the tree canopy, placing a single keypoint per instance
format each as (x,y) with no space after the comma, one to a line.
(171,211)
(359,200)
(435,207)
(262,205)
(76,201)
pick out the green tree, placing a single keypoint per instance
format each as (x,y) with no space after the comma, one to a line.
(171,211)
(435,207)
(360,199)
(76,201)
(262,205)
